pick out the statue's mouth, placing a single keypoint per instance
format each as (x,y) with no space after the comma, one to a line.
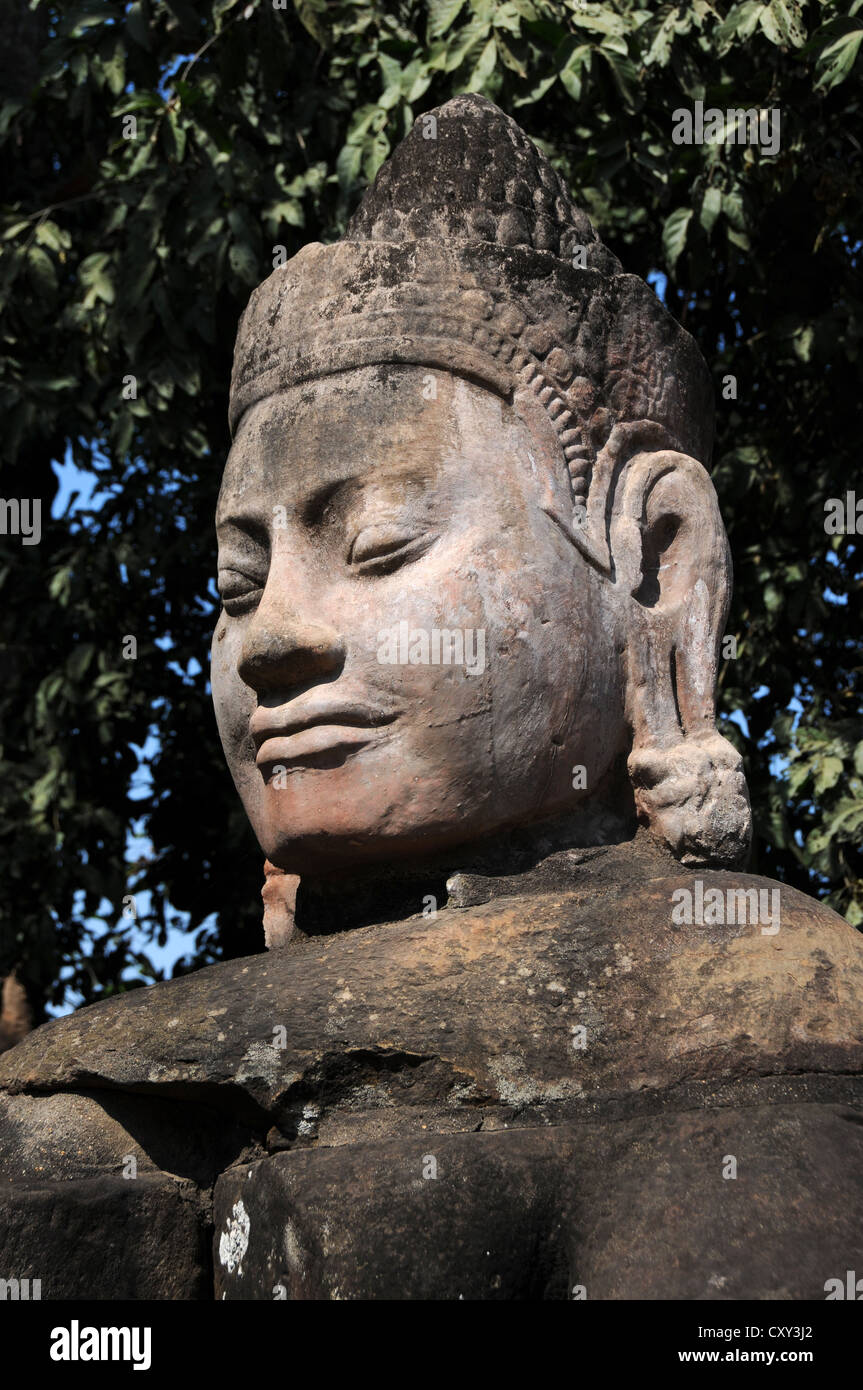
(291,735)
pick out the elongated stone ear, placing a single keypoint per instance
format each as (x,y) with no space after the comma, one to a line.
(672,573)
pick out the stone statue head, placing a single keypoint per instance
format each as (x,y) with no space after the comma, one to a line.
(473,571)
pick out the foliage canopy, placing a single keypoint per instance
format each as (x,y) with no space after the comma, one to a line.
(257,125)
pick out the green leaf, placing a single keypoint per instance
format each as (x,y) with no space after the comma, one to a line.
(391,69)
(740,23)
(672,23)
(49,234)
(80,659)
(8,112)
(185,15)
(139,101)
(772,597)
(59,589)
(484,68)
(624,74)
(803,340)
(461,45)
(484,11)
(514,55)
(137,25)
(79,67)
(711,205)
(289,210)
(41,270)
(848,819)
(48,382)
(244,263)
(732,208)
(220,9)
(508,17)
(827,774)
(92,273)
(837,59)
(599,22)
(782,22)
(538,91)
(115,70)
(142,156)
(577,62)
(348,165)
(674,235)
(43,792)
(311,15)
(441,15)
(174,136)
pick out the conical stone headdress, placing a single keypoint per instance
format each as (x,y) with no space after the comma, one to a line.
(461,256)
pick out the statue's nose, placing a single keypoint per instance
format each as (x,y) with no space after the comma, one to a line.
(282,650)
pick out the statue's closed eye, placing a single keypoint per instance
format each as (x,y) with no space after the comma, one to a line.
(239,592)
(379,549)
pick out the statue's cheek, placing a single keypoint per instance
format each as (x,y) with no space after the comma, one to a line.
(232,699)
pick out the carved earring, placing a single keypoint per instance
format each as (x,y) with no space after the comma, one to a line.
(693,795)
(280,895)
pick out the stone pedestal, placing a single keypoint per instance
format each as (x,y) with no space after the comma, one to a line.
(553,1093)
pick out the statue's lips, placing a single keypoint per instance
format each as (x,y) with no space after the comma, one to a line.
(324,738)
(302,735)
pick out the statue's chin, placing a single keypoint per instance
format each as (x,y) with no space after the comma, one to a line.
(327,845)
(339,839)
(321,852)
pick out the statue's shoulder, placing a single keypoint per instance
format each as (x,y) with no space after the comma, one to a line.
(669,976)
(593,981)
(734,976)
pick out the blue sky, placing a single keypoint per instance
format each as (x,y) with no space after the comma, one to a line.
(78,491)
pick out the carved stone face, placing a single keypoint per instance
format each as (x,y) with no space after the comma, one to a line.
(411,654)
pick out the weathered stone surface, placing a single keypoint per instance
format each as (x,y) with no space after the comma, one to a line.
(85,1209)
(652,1214)
(442,1022)
(68,1135)
(639,1208)
(108,1195)
(106,1237)
(361,1221)
(598,1165)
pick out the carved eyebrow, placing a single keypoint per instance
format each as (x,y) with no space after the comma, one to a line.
(253,527)
(311,511)
(344,491)
(246,531)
